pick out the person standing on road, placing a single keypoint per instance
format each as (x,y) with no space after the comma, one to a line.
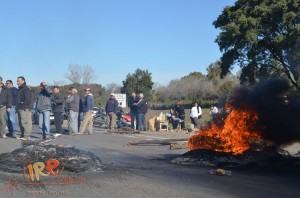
(111,109)
(11,117)
(72,102)
(142,110)
(5,106)
(58,109)
(23,107)
(88,106)
(195,114)
(43,106)
(133,110)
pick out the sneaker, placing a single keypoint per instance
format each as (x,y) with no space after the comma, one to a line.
(10,135)
(3,136)
(47,139)
(19,138)
(76,133)
(25,138)
(56,135)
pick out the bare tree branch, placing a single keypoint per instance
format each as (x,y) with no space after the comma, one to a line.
(74,74)
(88,75)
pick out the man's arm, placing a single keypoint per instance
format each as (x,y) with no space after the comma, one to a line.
(116,106)
(59,99)
(48,90)
(140,103)
(9,98)
(27,95)
(89,102)
(70,99)
(200,111)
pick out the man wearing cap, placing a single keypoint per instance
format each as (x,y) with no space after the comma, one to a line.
(88,106)
(11,116)
(5,105)
(111,109)
(43,106)
(23,107)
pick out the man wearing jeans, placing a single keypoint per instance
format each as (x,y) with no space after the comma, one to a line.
(44,108)
(5,105)
(133,110)
(11,117)
(142,109)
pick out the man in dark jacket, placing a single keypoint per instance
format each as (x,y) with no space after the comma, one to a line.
(142,109)
(72,102)
(11,117)
(43,106)
(58,108)
(23,107)
(5,105)
(88,106)
(111,109)
(133,109)
(181,113)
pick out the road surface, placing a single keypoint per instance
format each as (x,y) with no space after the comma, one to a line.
(146,171)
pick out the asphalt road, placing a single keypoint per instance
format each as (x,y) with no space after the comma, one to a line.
(145,171)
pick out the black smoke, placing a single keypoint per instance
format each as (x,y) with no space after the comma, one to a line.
(277,107)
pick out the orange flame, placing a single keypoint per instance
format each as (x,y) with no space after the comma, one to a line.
(236,133)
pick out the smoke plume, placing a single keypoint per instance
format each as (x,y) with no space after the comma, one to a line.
(278,110)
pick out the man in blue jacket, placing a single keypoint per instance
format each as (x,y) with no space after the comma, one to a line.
(43,106)
(88,106)
(111,108)
(133,110)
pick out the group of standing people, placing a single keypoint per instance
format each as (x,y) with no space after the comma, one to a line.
(17,104)
(138,110)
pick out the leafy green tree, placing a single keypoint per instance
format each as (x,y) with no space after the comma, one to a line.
(226,88)
(193,75)
(214,71)
(140,82)
(262,36)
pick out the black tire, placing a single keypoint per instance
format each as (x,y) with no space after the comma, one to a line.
(99,121)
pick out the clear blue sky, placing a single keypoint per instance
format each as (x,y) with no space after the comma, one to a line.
(170,38)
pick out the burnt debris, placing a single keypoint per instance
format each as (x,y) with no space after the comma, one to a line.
(69,157)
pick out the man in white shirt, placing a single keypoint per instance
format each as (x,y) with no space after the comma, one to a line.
(196,112)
